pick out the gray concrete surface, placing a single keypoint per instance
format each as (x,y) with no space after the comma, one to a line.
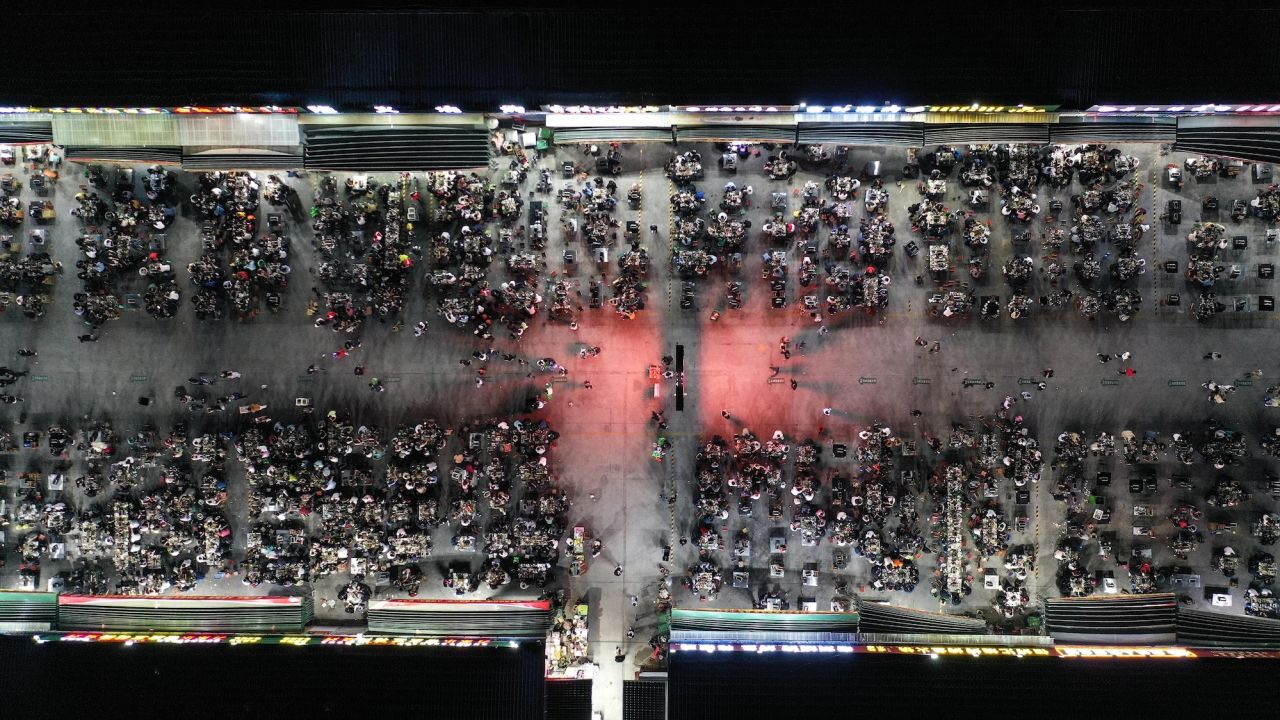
(602,458)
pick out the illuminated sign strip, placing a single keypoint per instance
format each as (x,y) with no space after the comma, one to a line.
(186,110)
(802,108)
(196,601)
(1208,108)
(460,605)
(617,109)
(297,640)
(977,651)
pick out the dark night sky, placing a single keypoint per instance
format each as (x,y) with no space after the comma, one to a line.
(77,680)
(747,685)
(1071,54)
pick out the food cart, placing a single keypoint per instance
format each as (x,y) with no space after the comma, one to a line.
(578,551)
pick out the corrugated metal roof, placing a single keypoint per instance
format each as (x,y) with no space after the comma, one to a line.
(116,130)
(406,148)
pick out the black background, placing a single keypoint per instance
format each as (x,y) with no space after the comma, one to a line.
(412,57)
(88,680)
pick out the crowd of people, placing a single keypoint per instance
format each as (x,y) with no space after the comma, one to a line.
(366,250)
(869,511)
(1104,213)
(873,511)
(1084,527)
(835,276)
(150,515)
(324,498)
(123,237)
(242,264)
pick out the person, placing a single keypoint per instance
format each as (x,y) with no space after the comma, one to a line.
(826,411)
(586,384)
(420,328)
(635,600)
(617,655)
(725,414)
(1104,358)
(618,571)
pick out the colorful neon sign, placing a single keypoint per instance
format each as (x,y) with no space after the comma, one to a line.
(971,651)
(890,109)
(187,110)
(1250,108)
(295,640)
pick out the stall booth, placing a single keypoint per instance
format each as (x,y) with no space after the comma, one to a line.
(1085,129)
(518,619)
(735,133)
(212,614)
(880,618)
(902,134)
(119,138)
(985,133)
(1246,138)
(696,625)
(124,155)
(605,135)
(401,144)
(569,129)
(25,128)
(1201,628)
(27,611)
(1112,619)
(240,141)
